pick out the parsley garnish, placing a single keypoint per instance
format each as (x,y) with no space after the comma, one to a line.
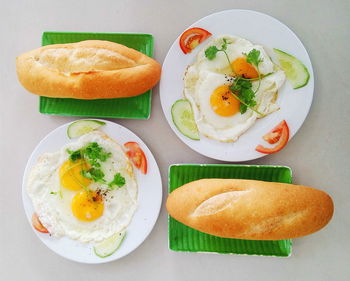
(94,155)
(242,90)
(118,180)
(254,57)
(94,174)
(211,52)
(241,87)
(74,155)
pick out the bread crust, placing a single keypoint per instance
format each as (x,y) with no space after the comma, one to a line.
(248,209)
(91,69)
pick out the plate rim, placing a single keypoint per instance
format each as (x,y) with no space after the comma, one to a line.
(242,159)
(24,193)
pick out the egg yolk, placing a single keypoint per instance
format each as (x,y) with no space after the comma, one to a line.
(242,68)
(87,206)
(223,103)
(71,177)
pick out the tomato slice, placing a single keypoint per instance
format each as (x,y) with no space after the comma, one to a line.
(137,156)
(275,134)
(37,224)
(192,37)
(273,137)
(279,135)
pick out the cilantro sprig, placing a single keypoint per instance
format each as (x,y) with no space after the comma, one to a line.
(253,57)
(94,155)
(118,181)
(241,87)
(95,174)
(211,52)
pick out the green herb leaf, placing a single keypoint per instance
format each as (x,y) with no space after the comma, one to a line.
(52,192)
(224,45)
(95,152)
(92,153)
(94,174)
(244,84)
(248,96)
(210,52)
(118,180)
(254,57)
(74,155)
(243,108)
(243,90)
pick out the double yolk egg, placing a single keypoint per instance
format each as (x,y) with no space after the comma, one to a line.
(207,82)
(71,205)
(86,205)
(222,100)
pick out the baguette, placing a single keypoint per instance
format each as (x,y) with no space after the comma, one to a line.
(248,209)
(90,69)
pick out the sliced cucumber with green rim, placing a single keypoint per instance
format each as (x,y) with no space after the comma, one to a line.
(296,72)
(183,119)
(110,245)
(81,127)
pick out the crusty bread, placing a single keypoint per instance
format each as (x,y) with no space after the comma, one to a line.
(90,69)
(248,209)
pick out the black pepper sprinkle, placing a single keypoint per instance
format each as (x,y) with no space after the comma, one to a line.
(224,97)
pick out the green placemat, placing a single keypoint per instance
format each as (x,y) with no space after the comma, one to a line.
(184,238)
(138,107)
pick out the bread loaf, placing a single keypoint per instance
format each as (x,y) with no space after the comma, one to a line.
(248,209)
(87,70)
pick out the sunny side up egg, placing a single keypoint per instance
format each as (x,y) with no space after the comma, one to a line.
(206,86)
(76,206)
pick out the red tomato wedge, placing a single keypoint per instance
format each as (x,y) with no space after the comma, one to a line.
(137,156)
(37,224)
(275,134)
(192,37)
(279,135)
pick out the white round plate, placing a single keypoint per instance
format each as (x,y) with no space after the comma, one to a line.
(149,198)
(257,28)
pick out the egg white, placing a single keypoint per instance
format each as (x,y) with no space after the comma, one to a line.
(204,76)
(54,211)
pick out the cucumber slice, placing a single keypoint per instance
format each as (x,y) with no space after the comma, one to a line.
(296,72)
(110,245)
(81,127)
(182,115)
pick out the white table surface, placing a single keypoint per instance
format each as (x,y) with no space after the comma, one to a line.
(319,154)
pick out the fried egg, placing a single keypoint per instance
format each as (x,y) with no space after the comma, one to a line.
(75,206)
(206,86)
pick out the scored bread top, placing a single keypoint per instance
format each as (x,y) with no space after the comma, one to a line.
(248,209)
(91,69)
